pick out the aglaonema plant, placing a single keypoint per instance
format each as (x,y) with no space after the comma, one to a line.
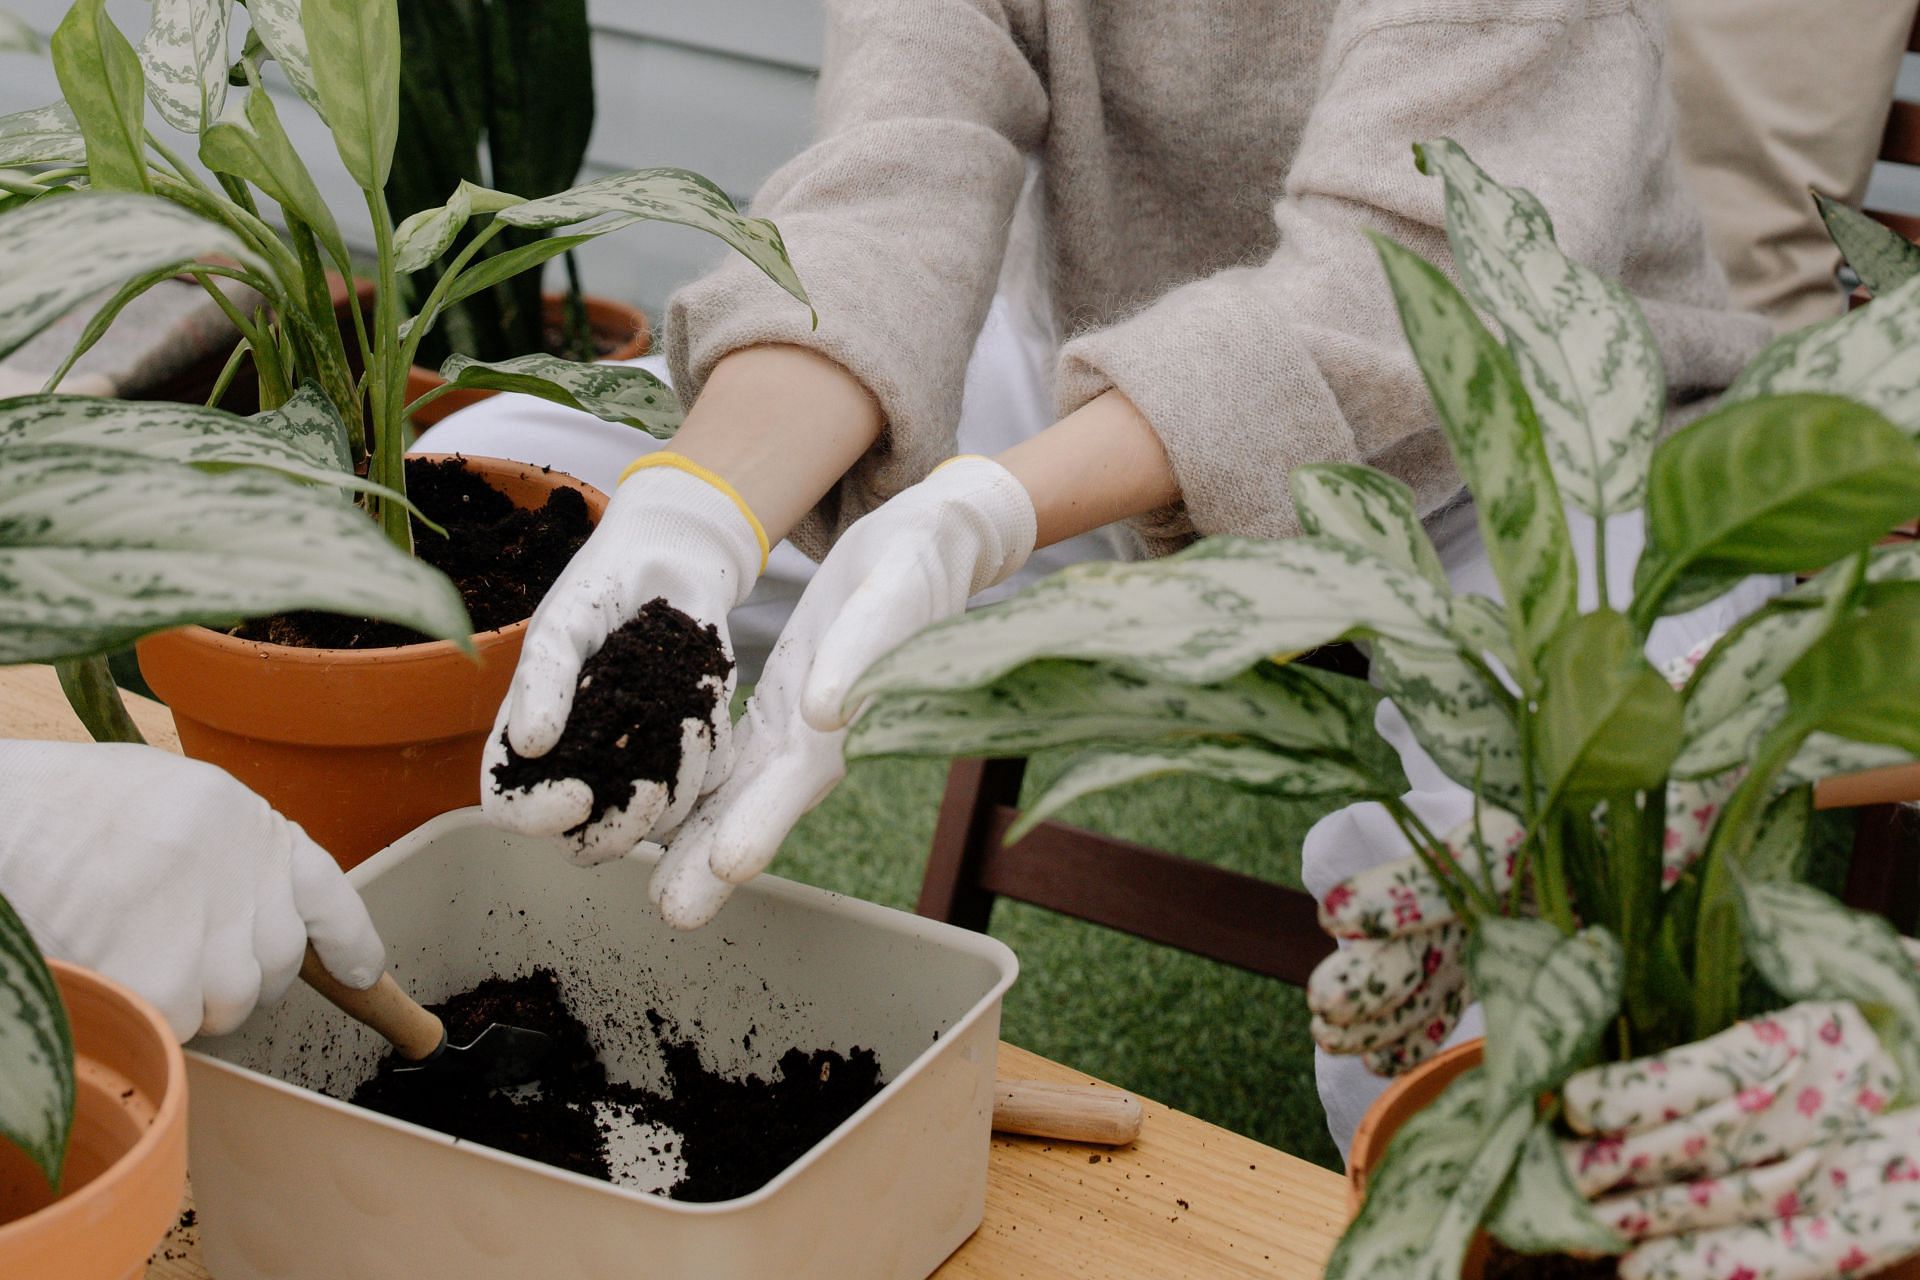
(1599,950)
(108,209)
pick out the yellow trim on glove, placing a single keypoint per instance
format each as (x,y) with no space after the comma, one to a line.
(963,457)
(698,472)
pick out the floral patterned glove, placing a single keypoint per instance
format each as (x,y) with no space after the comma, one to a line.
(1396,987)
(1761,1153)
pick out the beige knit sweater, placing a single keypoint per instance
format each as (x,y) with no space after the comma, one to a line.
(1208,166)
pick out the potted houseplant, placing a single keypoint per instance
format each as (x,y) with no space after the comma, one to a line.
(1591,938)
(358,745)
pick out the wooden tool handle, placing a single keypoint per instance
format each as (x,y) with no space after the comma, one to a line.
(382,1006)
(1068,1112)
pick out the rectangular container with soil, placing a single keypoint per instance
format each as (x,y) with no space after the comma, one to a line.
(296,1185)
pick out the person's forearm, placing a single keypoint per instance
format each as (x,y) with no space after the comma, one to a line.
(1098,464)
(781,424)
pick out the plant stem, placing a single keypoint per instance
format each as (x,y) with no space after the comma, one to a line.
(579,331)
(430,309)
(228,372)
(95,698)
(1443,868)
(426,399)
(180,167)
(386,376)
(323,334)
(20,187)
(1604,592)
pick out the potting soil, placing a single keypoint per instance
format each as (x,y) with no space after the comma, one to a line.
(502,558)
(1506,1264)
(734,1135)
(650,676)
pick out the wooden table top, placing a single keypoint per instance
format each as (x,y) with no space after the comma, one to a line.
(1187,1199)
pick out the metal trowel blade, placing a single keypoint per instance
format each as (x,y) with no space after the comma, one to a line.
(500,1057)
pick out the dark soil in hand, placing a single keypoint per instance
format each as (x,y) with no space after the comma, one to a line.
(501,557)
(1505,1264)
(735,1134)
(628,708)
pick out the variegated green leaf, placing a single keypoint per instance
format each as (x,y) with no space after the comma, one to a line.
(54,254)
(1809,947)
(1495,439)
(425,235)
(98,548)
(1584,351)
(1541,1211)
(664,195)
(1859,681)
(1203,615)
(1429,1195)
(42,135)
(1251,766)
(260,152)
(355,52)
(311,424)
(1780,844)
(17,37)
(1547,998)
(36,1052)
(1882,257)
(1462,721)
(611,392)
(1871,355)
(100,75)
(1608,722)
(186,59)
(1480,627)
(1785,484)
(282,32)
(1824,755)
(1368,508)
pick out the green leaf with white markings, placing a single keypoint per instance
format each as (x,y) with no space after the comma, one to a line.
(100,75)
(42,135)
(1882,257)
(186,59)
(1583,349)
(1780,844)
(610,392)
(55,254)
(1608,721)
(1462,719)
(261,153)
(17,37)
(282,32)
(1871,355)
(1541,1211)
(1368,508)
(1825,755)
(1547,997)
(36,1052)
(425,235)
(355,52)
(100,547)
(1205,614)
(1495,438)
(664,195)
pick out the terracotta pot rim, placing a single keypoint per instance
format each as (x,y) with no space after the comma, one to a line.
(1362,1157)
(169,1113)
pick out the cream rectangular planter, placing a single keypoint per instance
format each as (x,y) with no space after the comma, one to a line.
(292,1185)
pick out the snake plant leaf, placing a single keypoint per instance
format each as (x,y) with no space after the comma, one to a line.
(42,135)
(1541,1211)
(1250,766)
(424,236)
(664,195)
(1368,508)
(1882,257)
(1608,722)
(1809,947)
(1871,355)
(1547,998)
(1440,1176)
(354,47)
(1464,722)
(100,547)
(1583,348)
(1054,703)
(1859,680)
(55,254)
(186,59)
(100,76)
(1207,613)
(1496,442)
(1784,484)
(17,37)
(283,33)
(260,152)
(36,1052)
(610,392)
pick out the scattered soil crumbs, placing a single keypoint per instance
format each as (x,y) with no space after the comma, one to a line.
(735,1135)
(502,558)
(1505,1264)
(627,710)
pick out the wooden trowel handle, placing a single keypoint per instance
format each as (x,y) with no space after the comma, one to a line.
(382,1006)
(1067,1112)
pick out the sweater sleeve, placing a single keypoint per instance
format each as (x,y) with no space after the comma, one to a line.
(896,220)
(1258,369)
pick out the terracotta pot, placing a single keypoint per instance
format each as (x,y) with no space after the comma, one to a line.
(623,330)
(359,746)
(126,1169)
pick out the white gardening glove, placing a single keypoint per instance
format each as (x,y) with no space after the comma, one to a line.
(1761,1152)
(1397,986)
(169,876)
(672,532)
(915,560)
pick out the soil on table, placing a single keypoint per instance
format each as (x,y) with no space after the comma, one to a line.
(657,671)
(502,558)
(1506,1264)
(736,1134)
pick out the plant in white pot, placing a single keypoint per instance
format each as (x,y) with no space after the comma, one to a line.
(357,746)
(1623,1107)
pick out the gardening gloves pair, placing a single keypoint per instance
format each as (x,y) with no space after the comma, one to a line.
(171,877)
(1765,1152)
(915,560)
